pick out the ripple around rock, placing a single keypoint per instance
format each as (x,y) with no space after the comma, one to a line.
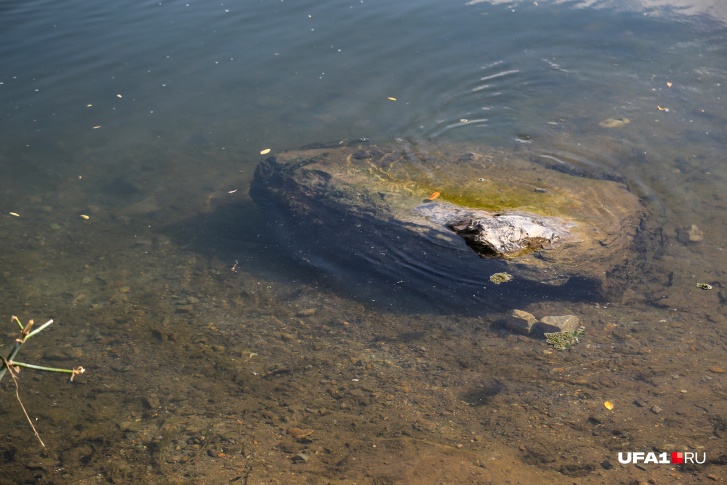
(369,205)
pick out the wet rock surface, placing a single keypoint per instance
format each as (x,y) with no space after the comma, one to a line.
(367,209)
(508,235)
(560,323)
(526,323)
(521,321)
(690,235)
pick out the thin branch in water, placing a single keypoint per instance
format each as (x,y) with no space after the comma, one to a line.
(12,372)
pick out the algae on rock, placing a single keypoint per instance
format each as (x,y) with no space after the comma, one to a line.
(372,202)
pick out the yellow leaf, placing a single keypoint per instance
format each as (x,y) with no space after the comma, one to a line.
(84,216)
(14,214)
(391,99)
(265,152)
(608,405)
(668,84)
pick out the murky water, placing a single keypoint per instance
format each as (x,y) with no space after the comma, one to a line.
(130,134)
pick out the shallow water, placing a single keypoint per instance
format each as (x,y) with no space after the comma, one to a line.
(205,342)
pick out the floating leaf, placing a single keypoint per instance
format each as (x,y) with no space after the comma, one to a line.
(433,196)
(265,152)
(391,99)
(84,216)
(14,214)
(608,405)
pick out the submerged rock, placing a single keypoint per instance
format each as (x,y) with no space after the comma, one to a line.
(525,323)
(521,322)
(348,209)
(614,122)
(560,323)
(690,235)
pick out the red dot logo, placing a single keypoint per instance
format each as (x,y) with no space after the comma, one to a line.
(677,458)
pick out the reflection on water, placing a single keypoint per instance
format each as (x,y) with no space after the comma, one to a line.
(212,356)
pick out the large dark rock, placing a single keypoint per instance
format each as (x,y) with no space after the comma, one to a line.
(362,215)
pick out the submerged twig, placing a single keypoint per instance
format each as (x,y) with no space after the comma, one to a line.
(17,396)
(10,365)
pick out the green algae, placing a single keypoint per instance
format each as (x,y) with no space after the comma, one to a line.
(565,340)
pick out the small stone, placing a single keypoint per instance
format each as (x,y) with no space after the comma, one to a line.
(284,336)
(716,370)
(54,354)
(656,409)
(690,235)
(151,401)
(184,309)
(73,353)
(299,434)
(521,322)
(300,458)
(560,323)
(130,425)
(308,312)
(614,122)
(289,448)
